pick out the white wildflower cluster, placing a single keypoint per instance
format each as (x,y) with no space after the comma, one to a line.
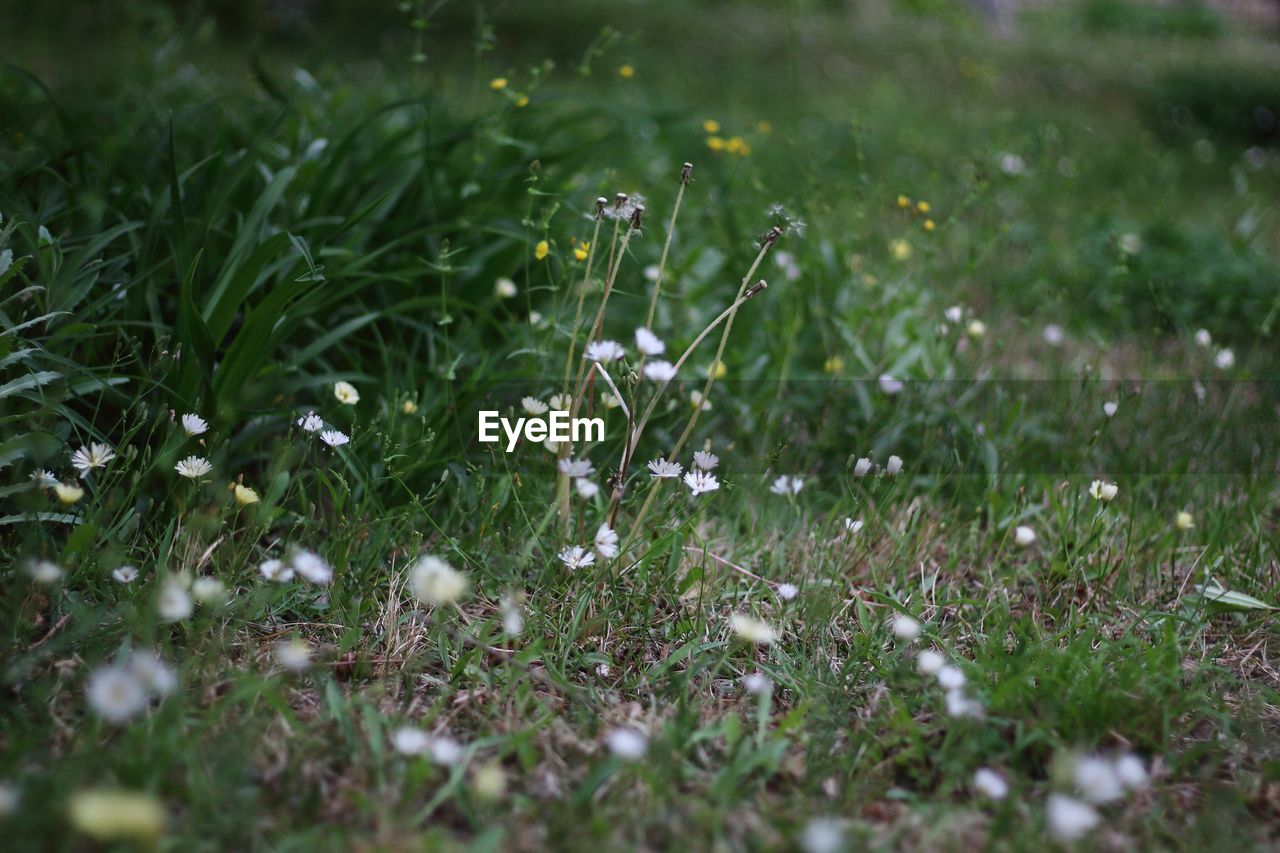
(787,485)
(949,676)
(302,563)
(120,691)
(1097,780)
(441,749)
(437,583)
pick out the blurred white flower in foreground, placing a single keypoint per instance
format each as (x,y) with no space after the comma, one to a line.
(823,835)
(115,693)
(1053,335)
(1069,819)
(752,630)
(1110,408)
(648,343)
(905,628)
(660,371)
(930,662)
(990,784)
(606,542)
(312,567)
(293,655)
(627,744)
(1225,359)
(435,582)
(787,591)
(603,351)
(276,570)
(1024,536)
(174,603)
(44,571)
(757,683)
(889,385)
(893,466)
(785,485)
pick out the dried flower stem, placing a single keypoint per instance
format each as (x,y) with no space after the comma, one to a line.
(685,174)
(582,297)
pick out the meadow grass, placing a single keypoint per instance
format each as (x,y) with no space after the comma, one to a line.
(904,608)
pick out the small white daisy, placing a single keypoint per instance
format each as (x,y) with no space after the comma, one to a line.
(445,751)
(787,591)
(276,570)
(704,460)
(889,385)
(435,582)
(605,351)
(660,371)
(961,706)
(125,574)
(512,617)
(930,662)
(757,683)
(852,525)
(346,393)
(648,343)
(43,479)
(312,567)
(785,485)
(905,628)
(44,571)
(951,677)
(115,693)
(533,406)
(627,744)
(207,590)
(410,741)
(293,655)
(990,784)
(561,402)
(698,401)
(1203,338)
(663,469)
(194,424)
(1069,819)
(752,630)
(193,467)
(94,456)
(334,438)
(606,542)
(576,557)
(1024,536)
(1225,359)
(504,288)
(1095,777)
(700,482)
(576,467)
(1130,771)
(174,603)
(157,677)
(587,489)
(311,422)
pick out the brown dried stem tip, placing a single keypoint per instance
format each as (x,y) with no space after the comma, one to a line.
(619,200)
(772,236)
(600,203)
(686,173)
(636,216)
(755,288)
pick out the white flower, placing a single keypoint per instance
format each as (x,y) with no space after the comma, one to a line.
(905,628)
(576,468)
(1053,335)
(1012,164)
(1095,777)
(1130,771)
(512,617)
(504,288)
(660,371)
(125,574)
(561,402)
(1184,520)
(951,677)
(648,343)
(311,422)
(1203,338)
(664,469)
(346,393)
(1130,243)
(893,466)
(157,677)
(610,400)
(701,481)
(587,489)
(603,351)
(312,567)
(276,570)
(651,272)
(704,460)
(194,424)
(930,662)
(787,591)
(292,654)
(757,683)
(606,542)
(10,796)
(889,385)
(852,526)
(862,467)
(976,329)
(1103,491)
(960,705)
(207,590)
(990,784)
(752,630)
(174,603)
(823,835)
(533,406)
(43,479)
(94,456)
(444,750)
(44,571)
(436,582)
(334,438)
(785,485)
(115,693)
(1024,536)
(1225,359)
(954,314)
(627,744)
(1110,408)
(193,467)
(576,557)
(1069,819)
(410,741)
(698,401)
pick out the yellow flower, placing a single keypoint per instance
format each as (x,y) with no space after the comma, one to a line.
(498,83)
(928,225)
(922,206)
(541,250)
(764,126)
(245,495)
(581,251)
(737,145)
(522,101)
(626,72)
(718,370)
(1184,521)
(903,201)
(409,407)
(711,126)
(900,249)
(715,143)
(115,815)
(68,494)
(835,364)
